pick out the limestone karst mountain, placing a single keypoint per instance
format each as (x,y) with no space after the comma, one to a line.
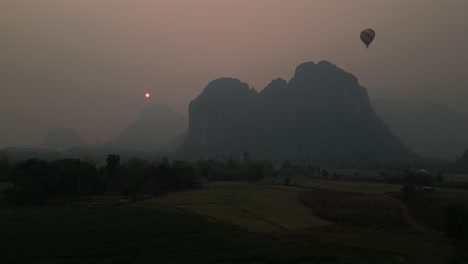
(322,113)
(61,139)
(151,130)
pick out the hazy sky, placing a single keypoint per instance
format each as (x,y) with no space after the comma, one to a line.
(86,64)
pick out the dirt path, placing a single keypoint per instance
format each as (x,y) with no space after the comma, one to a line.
(414,224)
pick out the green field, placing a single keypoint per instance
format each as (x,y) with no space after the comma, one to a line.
(354,208)
(140,233)
(345,213)
(350,186)
(256,208)
(317,221)
(107,234)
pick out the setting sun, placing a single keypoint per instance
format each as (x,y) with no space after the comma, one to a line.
(147,95)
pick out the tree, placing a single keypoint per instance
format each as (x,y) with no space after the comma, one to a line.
(426,180)
(287,180)
(287,167)
(410,178)
(161,173)
(324,173)
(132,176)
(407,191)
(456,218)
(35,181)
(440,177)
(463,160)
(74,177)
(246,157)
(31,182)
(260,169)
(65,178)
(113,161)
(4,167)
(210,169)
(182,174)
(91,181)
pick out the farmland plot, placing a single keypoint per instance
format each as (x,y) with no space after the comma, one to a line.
(257,208)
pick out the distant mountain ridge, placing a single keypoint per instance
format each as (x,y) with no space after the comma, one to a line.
(153,127)
(321,114)
(430,129)
(61,139)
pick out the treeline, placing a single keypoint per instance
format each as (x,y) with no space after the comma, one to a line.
(36,181)
(393,177)
(4,166)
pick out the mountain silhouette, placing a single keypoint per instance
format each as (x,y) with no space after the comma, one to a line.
(61,139)
(153,127)
(321,114)
(430,129)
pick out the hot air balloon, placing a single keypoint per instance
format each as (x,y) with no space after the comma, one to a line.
(367,35)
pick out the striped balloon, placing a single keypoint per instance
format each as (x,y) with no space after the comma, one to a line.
(367,35)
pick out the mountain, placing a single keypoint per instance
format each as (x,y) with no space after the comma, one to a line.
(153,127)
(321,114)
(430,129)
(63,138)
(173,144)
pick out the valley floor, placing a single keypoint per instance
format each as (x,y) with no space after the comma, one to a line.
(315,221)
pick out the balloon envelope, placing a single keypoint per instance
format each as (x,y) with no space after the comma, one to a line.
(367,35)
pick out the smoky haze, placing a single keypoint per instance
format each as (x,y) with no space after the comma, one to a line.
(87,64)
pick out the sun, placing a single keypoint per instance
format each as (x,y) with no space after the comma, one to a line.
(147,95)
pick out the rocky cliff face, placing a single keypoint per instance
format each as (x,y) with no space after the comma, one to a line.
(221,118)
(322,113)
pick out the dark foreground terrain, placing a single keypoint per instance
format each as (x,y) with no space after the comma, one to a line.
(315,221)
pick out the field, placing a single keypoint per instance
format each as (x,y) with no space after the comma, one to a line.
(113,234)
(350,186)
(456,177)
(317,221)
(257,208)
(354,208)
(431,206)
(355,214)
(151,233)
(3,185)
